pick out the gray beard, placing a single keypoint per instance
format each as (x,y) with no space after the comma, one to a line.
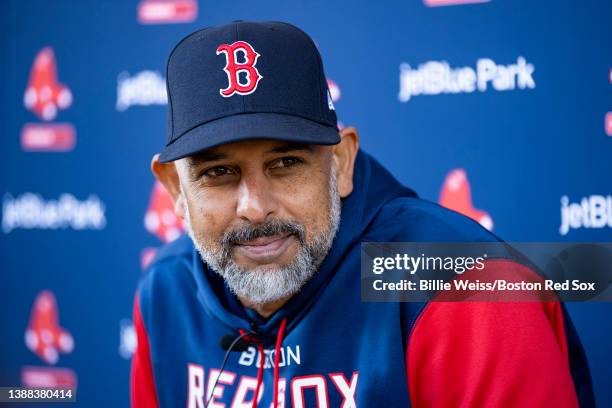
(267,284)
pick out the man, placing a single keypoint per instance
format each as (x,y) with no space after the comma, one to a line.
(260,304)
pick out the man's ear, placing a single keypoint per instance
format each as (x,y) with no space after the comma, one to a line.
(344,154)
(166,174)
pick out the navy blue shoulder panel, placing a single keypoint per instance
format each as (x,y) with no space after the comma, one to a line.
(408,219)
(167,279)
(578,362)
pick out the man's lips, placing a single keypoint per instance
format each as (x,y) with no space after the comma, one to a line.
(264,249)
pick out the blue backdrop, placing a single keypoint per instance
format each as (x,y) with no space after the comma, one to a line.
(498,109)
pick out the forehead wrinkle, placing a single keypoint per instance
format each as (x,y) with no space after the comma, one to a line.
(290,146)
(205,156)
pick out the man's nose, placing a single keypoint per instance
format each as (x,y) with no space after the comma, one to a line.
(255,200)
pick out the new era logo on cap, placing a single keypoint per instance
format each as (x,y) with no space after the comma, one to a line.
(244,81)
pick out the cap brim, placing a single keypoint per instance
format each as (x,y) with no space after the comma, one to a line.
(248,126)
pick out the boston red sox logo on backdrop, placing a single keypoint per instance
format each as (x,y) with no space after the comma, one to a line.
(233,68)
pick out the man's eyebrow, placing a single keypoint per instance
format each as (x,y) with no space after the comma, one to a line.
(291,146)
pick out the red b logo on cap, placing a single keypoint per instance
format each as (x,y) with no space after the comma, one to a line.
(233,68)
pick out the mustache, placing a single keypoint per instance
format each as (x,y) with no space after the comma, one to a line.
(265,229)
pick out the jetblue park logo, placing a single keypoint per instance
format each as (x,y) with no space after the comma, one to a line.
(594,212)
(438,77)
(143,89)
(31,211)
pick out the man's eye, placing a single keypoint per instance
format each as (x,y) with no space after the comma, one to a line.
(285,162)
(219,171)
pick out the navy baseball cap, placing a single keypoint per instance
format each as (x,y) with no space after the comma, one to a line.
(246,80)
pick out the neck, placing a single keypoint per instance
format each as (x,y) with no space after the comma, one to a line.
(265,310)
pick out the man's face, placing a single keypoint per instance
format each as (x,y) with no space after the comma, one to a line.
(263,214)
